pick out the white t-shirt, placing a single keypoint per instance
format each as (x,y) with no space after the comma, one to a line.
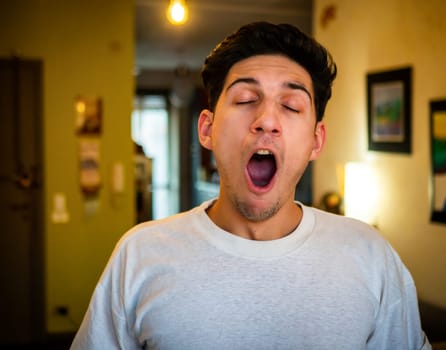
(184,283)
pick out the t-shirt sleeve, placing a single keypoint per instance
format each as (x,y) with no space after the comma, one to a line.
(105,325)
(398,323)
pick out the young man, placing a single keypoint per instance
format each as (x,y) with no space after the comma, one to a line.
(254,269)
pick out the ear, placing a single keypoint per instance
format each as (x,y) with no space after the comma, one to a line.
(205,121)
(319,140)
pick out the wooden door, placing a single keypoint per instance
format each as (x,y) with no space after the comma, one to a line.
(21,203)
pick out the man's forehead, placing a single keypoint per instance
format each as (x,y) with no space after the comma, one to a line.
(271,70)
(258,65)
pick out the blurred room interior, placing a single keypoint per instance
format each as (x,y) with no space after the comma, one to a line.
(99,102)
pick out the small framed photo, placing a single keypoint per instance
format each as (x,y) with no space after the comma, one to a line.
(88,115)
(389,95)
(438,160)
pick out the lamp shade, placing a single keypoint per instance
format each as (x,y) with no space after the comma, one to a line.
(360,192)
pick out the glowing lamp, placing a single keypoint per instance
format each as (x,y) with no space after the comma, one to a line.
(177,12)
(360,192)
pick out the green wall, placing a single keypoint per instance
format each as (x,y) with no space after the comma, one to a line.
(87,48)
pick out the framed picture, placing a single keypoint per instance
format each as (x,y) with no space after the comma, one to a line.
(438,160)
(88,115)
(389,110)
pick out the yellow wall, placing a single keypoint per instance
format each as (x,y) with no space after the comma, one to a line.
(379,35)
(87,47)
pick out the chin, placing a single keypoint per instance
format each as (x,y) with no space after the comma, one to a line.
(257,214)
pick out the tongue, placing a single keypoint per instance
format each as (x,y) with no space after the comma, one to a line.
(261,170)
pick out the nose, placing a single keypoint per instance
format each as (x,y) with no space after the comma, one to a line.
(267,120)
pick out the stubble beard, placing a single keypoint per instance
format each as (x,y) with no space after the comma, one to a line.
(255,215)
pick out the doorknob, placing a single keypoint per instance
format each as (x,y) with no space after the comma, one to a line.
(24,181)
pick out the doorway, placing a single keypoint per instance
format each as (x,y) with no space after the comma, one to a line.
(21,203)
(151,132)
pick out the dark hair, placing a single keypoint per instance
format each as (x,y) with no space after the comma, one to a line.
(260,38)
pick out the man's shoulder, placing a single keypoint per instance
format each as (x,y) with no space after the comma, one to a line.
(347,231)
(170,229)
(338,221)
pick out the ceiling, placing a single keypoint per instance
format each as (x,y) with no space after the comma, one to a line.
(162,46)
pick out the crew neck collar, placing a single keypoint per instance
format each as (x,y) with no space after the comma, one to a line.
(242,247)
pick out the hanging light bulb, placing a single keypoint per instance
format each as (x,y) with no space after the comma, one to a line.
(177,12)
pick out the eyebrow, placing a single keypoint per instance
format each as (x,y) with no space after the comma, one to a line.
(243,80)
(290,85)
(296,86)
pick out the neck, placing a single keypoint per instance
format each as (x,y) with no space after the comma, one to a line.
(279,225)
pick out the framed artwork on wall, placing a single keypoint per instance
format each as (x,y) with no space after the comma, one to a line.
(389,110)
(88,115)
(438,160)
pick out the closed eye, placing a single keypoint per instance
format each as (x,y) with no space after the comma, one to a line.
(245,102)
(291,108)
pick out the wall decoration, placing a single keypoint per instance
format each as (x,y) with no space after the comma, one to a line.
(438,160)
(88,115)
(89,158)
(389,110)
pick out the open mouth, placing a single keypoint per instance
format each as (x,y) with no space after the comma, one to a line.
(261,168)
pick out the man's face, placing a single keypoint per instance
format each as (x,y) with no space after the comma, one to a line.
(263,133)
